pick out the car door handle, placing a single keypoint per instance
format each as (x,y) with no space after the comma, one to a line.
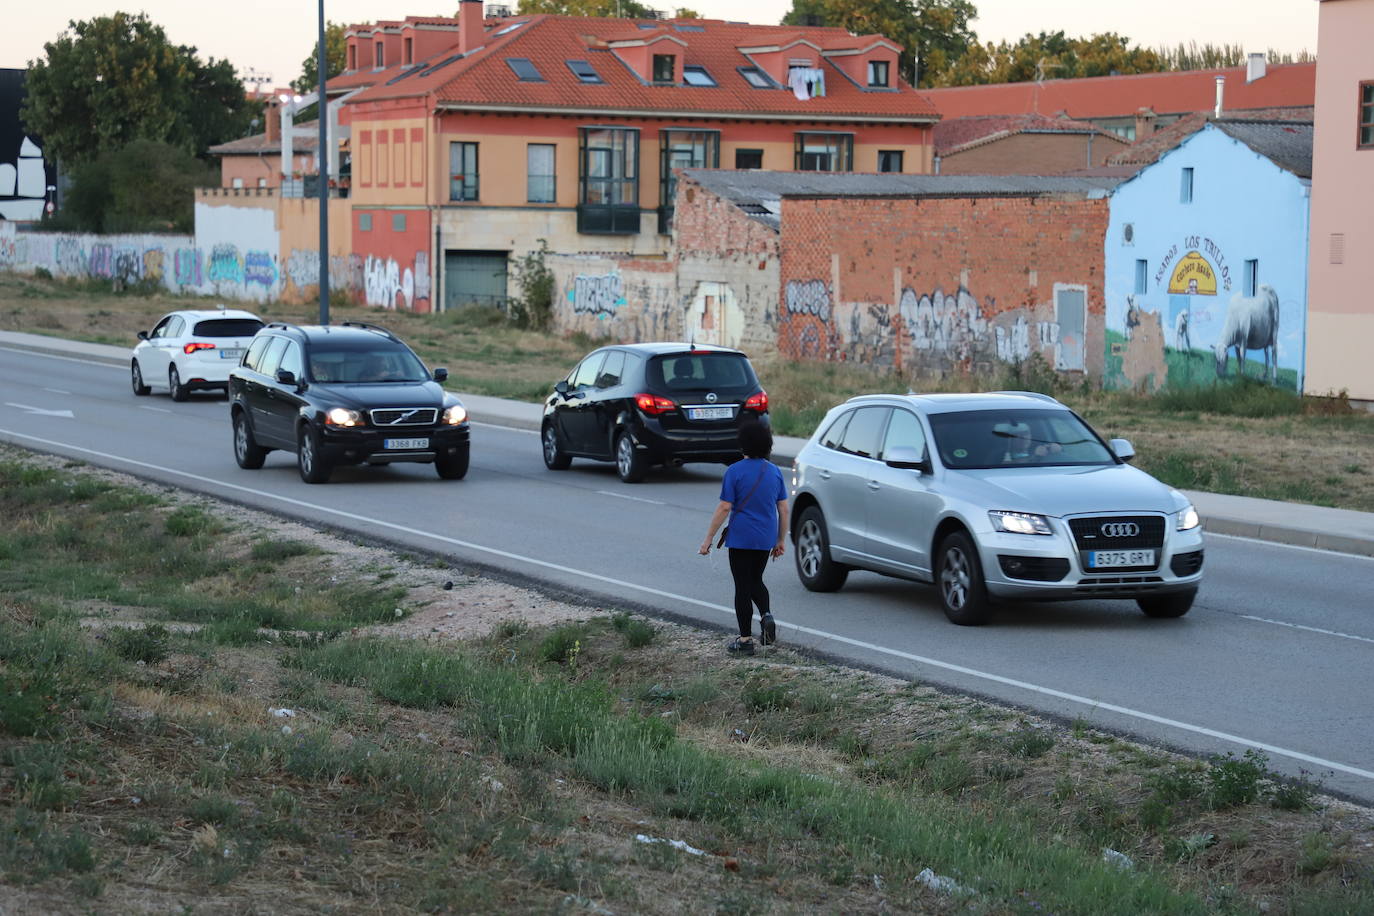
(823,474)
(874,485)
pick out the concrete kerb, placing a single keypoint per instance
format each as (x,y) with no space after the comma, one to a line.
(1318,527)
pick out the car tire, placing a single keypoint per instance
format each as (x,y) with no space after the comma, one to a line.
(313,467)
(1173,605)
(453,467)
(555,459)
(179,391)
(247,452)
(959,580)
(136,379)
(816,570)
(630,464)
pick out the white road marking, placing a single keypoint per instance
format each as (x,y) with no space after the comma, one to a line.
(1298,626)
(157,409)
(87,361)
(513,429)
(730,611)
(1325,550)
(638,499)
(42,411)
(57,391)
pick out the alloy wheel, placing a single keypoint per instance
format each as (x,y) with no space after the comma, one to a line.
(954,578)
(809,548)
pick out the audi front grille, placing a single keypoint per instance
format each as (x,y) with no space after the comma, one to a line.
(1118,532)
(400,417)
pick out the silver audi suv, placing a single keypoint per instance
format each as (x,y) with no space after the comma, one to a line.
(999,496)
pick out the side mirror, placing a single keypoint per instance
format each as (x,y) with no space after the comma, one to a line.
(904,456)
(440,374)
(1123,449)
(142,335)
(562,387)
(286,377)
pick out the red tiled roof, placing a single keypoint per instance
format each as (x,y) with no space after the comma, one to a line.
(258,144)
(483,78)
(1284,85)
(954,134)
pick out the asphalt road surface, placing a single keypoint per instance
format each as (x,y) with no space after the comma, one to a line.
(1277,653)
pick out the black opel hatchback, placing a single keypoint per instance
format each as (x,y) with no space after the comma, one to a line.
(349,393)
(652,403)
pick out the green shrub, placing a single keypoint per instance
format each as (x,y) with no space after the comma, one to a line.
(1234,781)
(1029,742)
(147,644)
(759,696)
(213,809)
(563,644)
(189,521)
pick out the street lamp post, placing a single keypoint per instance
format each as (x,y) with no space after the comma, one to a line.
(324,157)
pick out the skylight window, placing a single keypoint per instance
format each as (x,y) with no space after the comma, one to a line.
(754,77)
(584,71)
(689,28)
(697,76)
(510,28)
(524,69)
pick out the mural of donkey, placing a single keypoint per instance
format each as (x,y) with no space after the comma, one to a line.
(1252,323)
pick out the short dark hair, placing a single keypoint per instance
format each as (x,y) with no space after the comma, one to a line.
(755,439)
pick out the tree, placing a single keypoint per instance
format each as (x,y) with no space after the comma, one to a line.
(144,186)
(597,8)
(932,32)
(335,58)
(1049,55)
(113,79)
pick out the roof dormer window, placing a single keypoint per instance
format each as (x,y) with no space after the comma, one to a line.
(665,68)
(584,71)
(754,77)
(878,73)
(697,76)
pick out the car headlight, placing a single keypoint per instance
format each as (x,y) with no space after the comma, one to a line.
(455,415)
(1188,519)
(342,416)
(1020,523)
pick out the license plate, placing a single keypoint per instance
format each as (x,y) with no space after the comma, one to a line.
(710,413)
(405,443)
(230,354)
(1106,559)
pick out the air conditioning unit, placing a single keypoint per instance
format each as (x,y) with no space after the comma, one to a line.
(498,11)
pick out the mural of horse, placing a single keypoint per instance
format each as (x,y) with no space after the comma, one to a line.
(1252,323)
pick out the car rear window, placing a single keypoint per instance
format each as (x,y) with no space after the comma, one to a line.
(688,371)
(227,327)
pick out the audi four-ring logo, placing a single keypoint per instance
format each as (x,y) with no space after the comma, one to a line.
(1120,530)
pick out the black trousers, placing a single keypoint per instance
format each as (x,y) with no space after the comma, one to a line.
(747,566)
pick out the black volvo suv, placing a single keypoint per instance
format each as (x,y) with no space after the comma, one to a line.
(652,403)
(349,393)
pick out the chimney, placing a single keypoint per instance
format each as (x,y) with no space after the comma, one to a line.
(271,114)
(1221,86)
(1144,122)
(470,31)
(1254,67)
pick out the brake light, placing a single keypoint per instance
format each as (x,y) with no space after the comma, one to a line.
(758,402)
(193,347)
(653,404)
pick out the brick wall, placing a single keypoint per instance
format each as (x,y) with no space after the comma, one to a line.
(1032,154)
(943,284)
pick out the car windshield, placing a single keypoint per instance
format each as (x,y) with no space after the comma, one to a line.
(1016,438)
(700,371)
(362,367)
(227,327)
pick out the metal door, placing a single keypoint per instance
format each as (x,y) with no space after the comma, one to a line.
(474,278)
(1070,311)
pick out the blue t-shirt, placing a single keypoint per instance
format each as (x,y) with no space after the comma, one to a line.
(753,525)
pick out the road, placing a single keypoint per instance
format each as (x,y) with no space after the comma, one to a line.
(1277,653)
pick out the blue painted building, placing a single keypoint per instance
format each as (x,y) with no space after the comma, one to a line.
(1206,260)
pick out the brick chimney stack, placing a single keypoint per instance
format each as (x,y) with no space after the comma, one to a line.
(271,115)
(470,30)
(1144,123)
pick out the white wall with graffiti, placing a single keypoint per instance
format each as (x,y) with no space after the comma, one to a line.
(1206,270)
(620,299)
(241,246)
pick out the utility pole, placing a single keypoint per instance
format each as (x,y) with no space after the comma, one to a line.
(323,183)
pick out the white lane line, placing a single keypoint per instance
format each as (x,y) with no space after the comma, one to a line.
(730,611)
(158,409)
(1298,626)
(513,429)
(1325,550)
(86,361)
(638,499)
(57,391)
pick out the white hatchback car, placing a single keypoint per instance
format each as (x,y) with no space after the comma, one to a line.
(191,350)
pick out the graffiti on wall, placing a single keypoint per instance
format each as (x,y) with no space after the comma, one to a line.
(387,285)
(714,315)
(598,295)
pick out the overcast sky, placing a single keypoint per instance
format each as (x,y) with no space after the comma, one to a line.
(273,37)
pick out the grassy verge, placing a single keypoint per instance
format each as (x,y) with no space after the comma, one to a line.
(211,713)
(1238,437)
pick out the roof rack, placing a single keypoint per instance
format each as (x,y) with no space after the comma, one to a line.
(1039,396)
(369,327)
